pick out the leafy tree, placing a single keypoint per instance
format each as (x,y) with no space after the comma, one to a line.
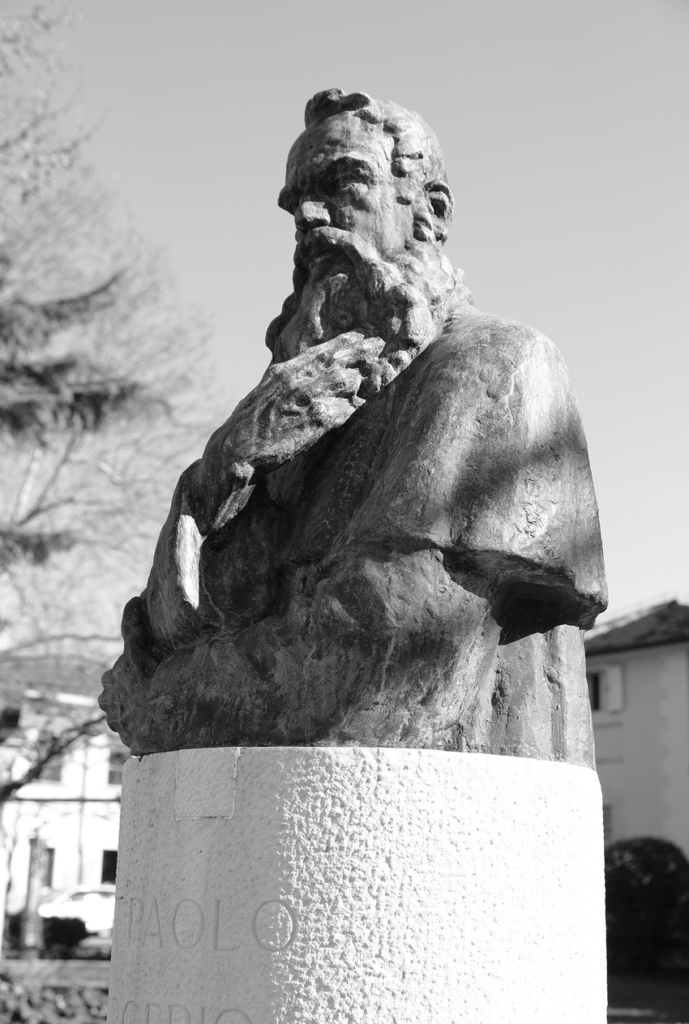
(96,415)
(647,899)
(42,130)
(96,418)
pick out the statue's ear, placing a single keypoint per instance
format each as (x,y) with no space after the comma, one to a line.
(442,204)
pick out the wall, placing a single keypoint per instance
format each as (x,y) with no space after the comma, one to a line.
(642,751)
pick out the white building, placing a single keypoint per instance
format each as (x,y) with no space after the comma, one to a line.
(638,672)
(74,807)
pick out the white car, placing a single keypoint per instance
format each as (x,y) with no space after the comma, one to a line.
(93,904)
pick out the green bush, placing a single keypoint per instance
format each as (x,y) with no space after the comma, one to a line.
(32,1004)
(647,904)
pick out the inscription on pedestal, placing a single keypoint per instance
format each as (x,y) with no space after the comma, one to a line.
(187,924)
(159,1013)
(274,925)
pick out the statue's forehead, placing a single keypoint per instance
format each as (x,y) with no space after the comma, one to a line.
(334,138)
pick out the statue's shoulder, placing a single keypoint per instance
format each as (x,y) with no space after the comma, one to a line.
(468,330)
(478,354)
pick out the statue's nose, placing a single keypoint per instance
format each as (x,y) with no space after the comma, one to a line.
(311,215)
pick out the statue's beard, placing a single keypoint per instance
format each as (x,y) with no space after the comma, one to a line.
(341,285)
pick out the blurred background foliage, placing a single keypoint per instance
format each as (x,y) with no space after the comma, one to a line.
(647,906)
(104,395)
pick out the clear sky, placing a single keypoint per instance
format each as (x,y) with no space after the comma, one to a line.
(565,128)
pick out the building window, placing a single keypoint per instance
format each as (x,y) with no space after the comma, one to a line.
(53,770)
(109,869)
(9,723)
(607,824)
(49,868)
(595,689)
(115,764)
(606,688)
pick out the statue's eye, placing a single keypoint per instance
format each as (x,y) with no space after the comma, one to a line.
(342,174)
(329,183)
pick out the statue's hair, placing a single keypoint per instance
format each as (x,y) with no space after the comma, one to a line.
(414,140)
(408,130)
(333,101)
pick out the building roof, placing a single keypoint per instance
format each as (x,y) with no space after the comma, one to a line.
(666,623)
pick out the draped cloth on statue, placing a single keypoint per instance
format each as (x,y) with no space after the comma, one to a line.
(419,577)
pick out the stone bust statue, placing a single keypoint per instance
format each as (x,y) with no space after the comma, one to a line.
(394,539)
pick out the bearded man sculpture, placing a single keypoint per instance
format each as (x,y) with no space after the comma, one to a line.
(393,540)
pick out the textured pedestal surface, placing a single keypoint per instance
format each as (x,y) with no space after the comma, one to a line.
(349,885)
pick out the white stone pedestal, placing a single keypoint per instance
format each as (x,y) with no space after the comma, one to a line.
(292,885)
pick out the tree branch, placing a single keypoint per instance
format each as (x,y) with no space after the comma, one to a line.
(44,509)
(56,745)
(27,483)
(52,479)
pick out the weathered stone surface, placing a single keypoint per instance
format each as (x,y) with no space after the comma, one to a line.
(393,540)
(359,885)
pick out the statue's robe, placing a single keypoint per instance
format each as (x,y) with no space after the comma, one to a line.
(419,577)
